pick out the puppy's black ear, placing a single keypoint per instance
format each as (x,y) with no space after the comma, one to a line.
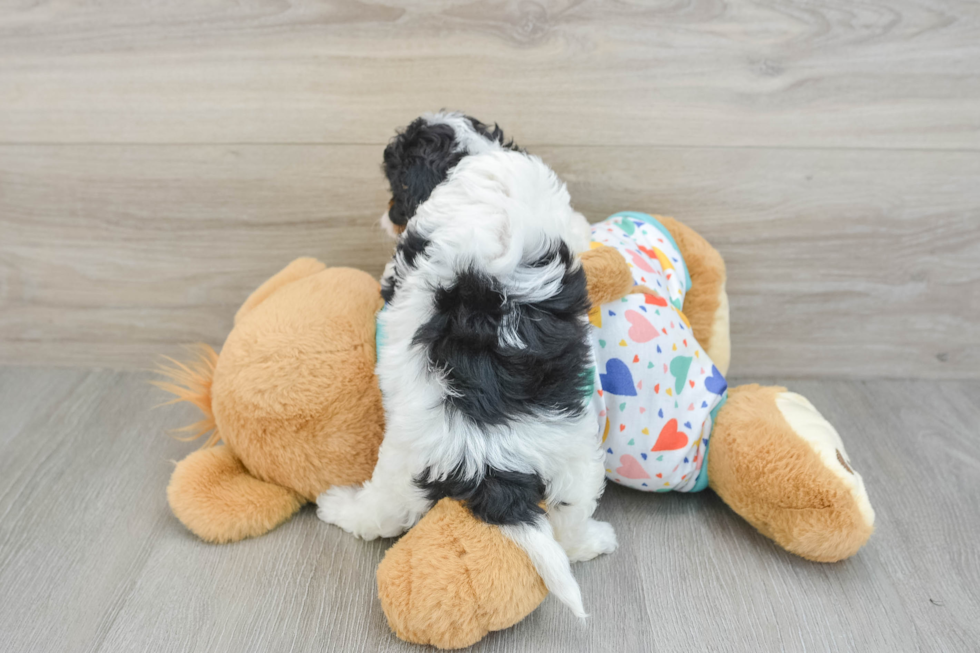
(415,162)
(495,134)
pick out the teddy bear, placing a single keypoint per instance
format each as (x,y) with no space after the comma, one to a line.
(295,403)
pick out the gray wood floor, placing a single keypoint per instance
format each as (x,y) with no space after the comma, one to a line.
(92,560)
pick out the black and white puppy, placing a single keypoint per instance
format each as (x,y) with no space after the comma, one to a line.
(484,362)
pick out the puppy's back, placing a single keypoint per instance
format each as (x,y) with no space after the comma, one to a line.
(505,325)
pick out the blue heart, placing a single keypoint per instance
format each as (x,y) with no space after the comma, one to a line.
(643,308)
(660,413)
(643,455)
(715,383)
(608,450)
(687,425)
(658,350)
(617,380)
(704,404)
(612,314)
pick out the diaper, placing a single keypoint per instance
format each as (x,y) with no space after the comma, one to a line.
(656,391)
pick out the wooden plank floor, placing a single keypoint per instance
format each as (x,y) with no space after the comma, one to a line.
(92,560)
(858,263)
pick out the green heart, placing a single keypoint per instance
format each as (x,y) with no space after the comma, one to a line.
(626,225)
(602,343)
(679,367)
(630,443)
(622,406)
(649,365)
(660,458)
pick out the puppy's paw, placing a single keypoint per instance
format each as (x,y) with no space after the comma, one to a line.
(340,506)
(360,512)
(596,538)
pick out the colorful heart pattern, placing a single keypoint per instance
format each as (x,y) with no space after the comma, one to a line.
(670,438)
(617,380)
(630,467)
(657,387)
(716,383)
(640,328)
(640,262)
(679,367)
(656,300)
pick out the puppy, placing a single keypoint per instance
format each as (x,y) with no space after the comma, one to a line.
(484,360)
(420,157)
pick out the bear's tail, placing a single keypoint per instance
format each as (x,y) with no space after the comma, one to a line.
(191,382)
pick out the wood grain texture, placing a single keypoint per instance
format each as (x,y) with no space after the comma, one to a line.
(159,160)
(841,262)
(92,560)
(883,73)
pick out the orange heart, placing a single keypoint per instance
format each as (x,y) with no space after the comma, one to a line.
(656,300)
(670,438)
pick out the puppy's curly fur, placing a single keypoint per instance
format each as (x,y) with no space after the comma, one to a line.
(420,157)
(485,365)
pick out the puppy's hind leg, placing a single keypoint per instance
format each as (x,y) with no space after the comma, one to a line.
(582,537)
(385,506)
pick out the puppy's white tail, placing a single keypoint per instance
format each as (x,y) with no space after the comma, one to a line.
(550,561)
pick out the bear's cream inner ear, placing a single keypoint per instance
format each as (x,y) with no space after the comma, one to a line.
(810,425)
(720,349)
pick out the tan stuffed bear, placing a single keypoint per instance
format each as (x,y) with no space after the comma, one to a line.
(294,398)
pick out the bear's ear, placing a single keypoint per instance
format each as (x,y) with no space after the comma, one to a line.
(415,162)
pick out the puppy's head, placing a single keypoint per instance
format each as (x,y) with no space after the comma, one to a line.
(421,156)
